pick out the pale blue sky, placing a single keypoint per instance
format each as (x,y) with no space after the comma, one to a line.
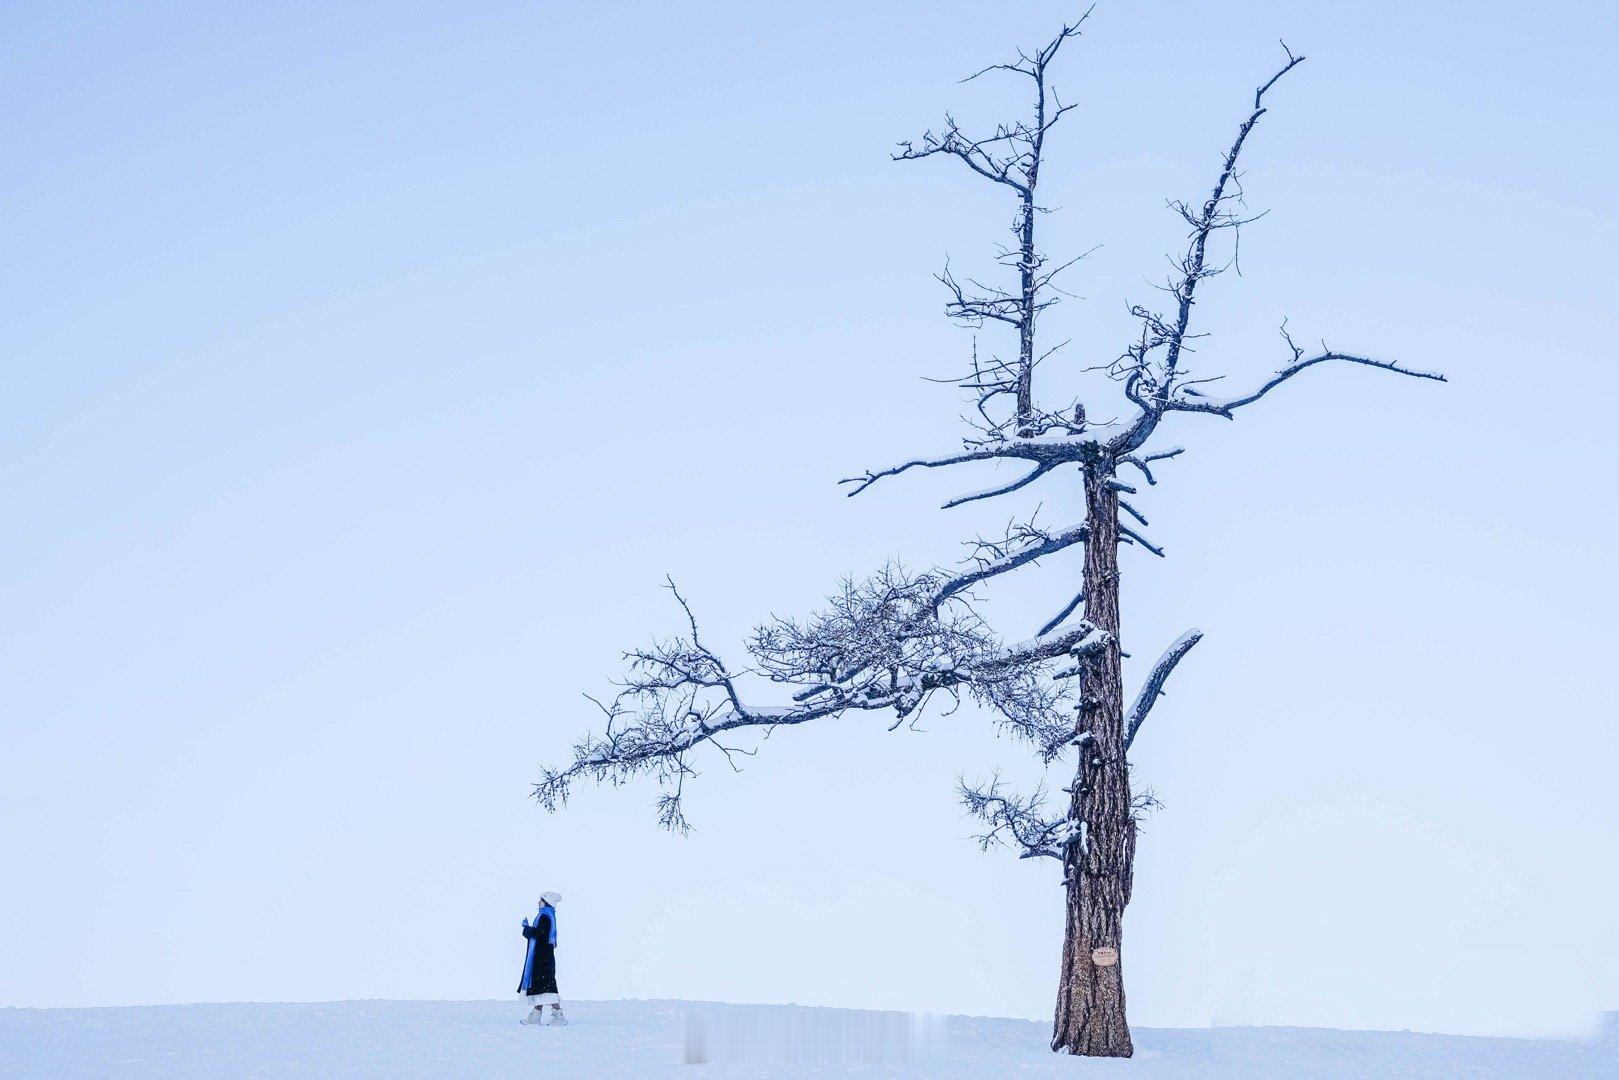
(367,366)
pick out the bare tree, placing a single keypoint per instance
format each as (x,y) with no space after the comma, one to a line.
(897,640)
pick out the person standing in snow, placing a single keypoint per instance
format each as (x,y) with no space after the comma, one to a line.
(539,984)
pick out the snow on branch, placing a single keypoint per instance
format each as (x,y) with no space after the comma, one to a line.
(865,480)
(1019,822)
(1045,451)
(1154,686)
(1067,610)
(1000,489)
(1142,462)
(1024,543)
(886,643)
(1129,535)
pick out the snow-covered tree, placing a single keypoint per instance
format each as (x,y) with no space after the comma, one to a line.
(896,641)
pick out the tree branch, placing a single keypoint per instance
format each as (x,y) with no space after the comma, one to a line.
(1036,545)
(1068,609)
(1001,489)
(1044,449)
(1011,156)
(1154,686)
(1192,402)
(882,645)
(1151,388)
(1018,822)
(1130,535)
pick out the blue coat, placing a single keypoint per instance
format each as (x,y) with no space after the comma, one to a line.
(540,961)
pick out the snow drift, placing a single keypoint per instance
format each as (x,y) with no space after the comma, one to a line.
(417,1040)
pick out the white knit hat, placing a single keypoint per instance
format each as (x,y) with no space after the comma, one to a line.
(552,898)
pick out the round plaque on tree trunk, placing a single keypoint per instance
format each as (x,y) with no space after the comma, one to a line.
(1106,956)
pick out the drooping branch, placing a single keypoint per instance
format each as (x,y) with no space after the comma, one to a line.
(886,643)
(1153,687)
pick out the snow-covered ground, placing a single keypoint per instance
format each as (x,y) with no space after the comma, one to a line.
(632,1039)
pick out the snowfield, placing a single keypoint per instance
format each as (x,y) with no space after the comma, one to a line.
(438,1039)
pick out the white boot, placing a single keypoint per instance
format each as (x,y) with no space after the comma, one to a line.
(557,1019)
(534,1015)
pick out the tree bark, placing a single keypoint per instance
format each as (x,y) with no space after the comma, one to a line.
(1090,993)
(1026,310)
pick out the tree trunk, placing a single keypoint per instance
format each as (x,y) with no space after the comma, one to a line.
(1026,311)
(1090,992)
